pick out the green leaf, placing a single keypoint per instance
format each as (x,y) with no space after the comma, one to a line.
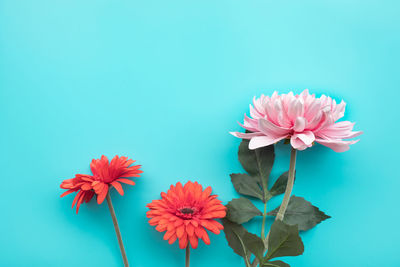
(241,210)
(275,264)
(302,213)
(234,235)
(258,163)
(246,185)
(279,186)
(284,240)
(254,244)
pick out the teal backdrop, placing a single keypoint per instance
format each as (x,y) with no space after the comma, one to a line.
(163,82)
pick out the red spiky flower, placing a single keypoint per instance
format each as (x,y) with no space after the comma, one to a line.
(105,175)
(184,212)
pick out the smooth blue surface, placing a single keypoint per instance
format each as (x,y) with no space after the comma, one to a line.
(163,82)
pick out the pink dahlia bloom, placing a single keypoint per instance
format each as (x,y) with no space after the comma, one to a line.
(304,119)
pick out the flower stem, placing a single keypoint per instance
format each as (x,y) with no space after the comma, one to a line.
(284,204)
(289,186)
(117,231)
(187,256)
(263,222)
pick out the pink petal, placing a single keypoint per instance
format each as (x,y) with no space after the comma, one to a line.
(296,108)
(337,145)
(261,141)
(301,141)
(299,124)
(297,143)
(307,137)
(270,129)
(313,110)
(245,135)
(338,112)
(339,130)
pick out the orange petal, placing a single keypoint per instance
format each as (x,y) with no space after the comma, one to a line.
(178,222)
(200,232)
(168,234)
(218,225)
(180,231)
(190,229)
(210,226)
(193,241)
(172,239)
(194,223)
(206,193)
(154,221)
(183,241)
(170,227)
(214,215)
(206,238)
(161,227)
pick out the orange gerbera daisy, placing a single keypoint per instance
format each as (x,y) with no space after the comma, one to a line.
(105,174)
(184,212)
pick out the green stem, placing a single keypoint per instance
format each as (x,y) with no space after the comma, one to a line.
(187,255)
(289,186)
(284,204)
(263,222)
(117,231)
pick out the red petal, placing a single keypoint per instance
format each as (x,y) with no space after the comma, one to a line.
(68,192)
(79,202)
(98,187)
(118,187)
(86,186)
(102,195)
(89,196)
(126,181)
(76,198)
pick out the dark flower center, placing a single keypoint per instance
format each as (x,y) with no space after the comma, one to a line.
(187,211)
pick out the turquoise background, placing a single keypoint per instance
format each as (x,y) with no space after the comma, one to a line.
(163,82)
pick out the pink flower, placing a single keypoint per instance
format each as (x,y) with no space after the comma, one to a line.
(304,119)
